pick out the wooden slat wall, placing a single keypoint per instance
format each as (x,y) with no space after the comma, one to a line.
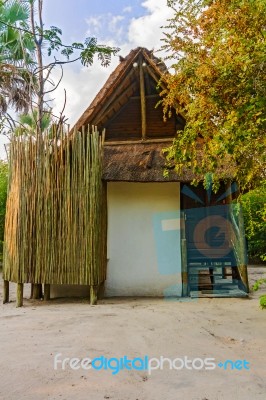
(127,123)
(156,127)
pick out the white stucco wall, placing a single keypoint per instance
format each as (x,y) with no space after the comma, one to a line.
(138,258)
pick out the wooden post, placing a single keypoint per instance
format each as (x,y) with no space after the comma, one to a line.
(228,201)
(101,291)
(185,286)
(142,101)
(46,292)
(6,292)
(241,271)
(37,291)
(19,294)
(31,290)
(93,294)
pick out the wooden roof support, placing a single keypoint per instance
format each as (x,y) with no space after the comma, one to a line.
(115,98)
(119,142)
(143,101)
(156,78)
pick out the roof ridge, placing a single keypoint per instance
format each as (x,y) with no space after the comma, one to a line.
(115,78)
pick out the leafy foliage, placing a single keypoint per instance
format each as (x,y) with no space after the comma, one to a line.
(218,50)
(254,210)
(16,51)
(263,301)
(16,43)
(24,41)
(28,123)
(15,88)
(256,287)
(258,284)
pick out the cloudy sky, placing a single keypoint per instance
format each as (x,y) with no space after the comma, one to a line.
(123,23)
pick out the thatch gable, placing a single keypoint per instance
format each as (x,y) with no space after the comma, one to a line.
(136,132)
(119,87)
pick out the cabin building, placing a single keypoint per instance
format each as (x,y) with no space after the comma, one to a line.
(98,211)
(151,247)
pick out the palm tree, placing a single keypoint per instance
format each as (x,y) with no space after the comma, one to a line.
(16,49)
(28,123)
(15,88)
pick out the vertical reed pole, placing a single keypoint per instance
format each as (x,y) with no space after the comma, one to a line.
(93,294)
(6,292)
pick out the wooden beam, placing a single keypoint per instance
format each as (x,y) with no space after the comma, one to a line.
(105,121)
(156,78)
(119,142)
(163,85)
(150,96)
(142,101)
(115,97)
(6,292)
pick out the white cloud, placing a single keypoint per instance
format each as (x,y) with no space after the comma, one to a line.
(106,26)
(127,9)
(147,30)
(82,85)
(94,24)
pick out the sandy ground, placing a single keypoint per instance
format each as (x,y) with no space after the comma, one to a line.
(218,328)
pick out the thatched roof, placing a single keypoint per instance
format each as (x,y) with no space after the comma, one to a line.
(138,160)
(134,157)
(139,163)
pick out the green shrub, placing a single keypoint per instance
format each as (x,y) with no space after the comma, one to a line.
(254,211)
(263,301)
(256,287)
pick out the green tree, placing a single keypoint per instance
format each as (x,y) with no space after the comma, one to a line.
(28,123)
(25,43)
(254,210)
(218,48)
(16,51)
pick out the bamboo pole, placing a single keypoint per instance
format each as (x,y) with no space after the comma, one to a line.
(19,294)
(93,294)
(6,292)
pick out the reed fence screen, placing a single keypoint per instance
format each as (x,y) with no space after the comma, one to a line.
(55,231)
